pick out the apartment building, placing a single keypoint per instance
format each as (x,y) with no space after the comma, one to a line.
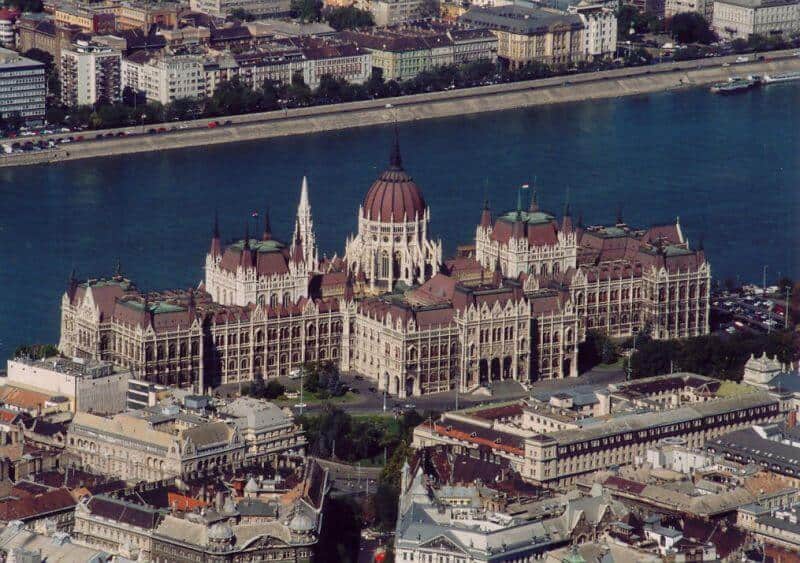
(258,8)
(558,445)
(164,77)
(152,445)
(22,87)
(403,52)
(599,28)
(392,12)
(526,35)
(739,19)
(8,17)
(90,73)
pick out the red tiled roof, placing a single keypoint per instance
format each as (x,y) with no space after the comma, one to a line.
(38,505)
(394,197)
(624,485)
(22,398)
(480,436)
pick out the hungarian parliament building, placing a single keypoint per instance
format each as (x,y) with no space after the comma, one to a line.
(515,305)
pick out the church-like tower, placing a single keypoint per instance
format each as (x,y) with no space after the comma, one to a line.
(304,227)
(392,243)
(264,271)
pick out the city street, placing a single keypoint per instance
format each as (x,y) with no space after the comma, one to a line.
(368,400)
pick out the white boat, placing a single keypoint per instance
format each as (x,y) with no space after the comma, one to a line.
(782,77)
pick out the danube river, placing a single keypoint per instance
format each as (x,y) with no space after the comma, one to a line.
(728,166)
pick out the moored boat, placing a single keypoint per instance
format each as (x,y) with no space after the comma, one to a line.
(781,77)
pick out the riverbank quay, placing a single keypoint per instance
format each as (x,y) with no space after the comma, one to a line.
(561,89)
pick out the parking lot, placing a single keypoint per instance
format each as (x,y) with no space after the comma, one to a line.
(742,311)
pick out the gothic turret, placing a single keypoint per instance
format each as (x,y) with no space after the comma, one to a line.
(566,221)
(298,256)
(533,207)
(247,255)
(267,234)
(518,228)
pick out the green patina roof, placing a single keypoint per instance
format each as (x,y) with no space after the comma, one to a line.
(677,251)
(124,284)
(612,232)
(257,245)
(530,217)
(155,308)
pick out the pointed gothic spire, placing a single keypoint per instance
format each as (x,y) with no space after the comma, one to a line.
(580,219)
(216,245)
(486,215)
(72,284)
(267,234)
(395,160)
(304,194)
(118,269)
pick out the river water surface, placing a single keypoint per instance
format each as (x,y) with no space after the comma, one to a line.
(728,166)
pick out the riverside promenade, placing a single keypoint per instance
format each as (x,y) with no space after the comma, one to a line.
(300,121)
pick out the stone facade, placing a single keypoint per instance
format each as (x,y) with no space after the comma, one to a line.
(392,243)
(515,306)
(526,35)
(621,280)
(555,446)
(739,19)
(135,447)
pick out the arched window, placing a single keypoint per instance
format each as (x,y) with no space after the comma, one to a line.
(287,299)
(273,299)
(385,264)
(259,336)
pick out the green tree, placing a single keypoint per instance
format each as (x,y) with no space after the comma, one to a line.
(306,10)
(36,351)
(257,388)
(348,17)
(55,115)
(242,14)
(274,389)
(690,27)
(428,9)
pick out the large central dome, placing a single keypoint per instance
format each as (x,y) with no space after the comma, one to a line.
(394,197)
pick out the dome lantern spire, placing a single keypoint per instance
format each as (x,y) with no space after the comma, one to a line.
(395,159)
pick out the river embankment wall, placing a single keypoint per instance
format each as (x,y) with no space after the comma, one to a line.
(562,89)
